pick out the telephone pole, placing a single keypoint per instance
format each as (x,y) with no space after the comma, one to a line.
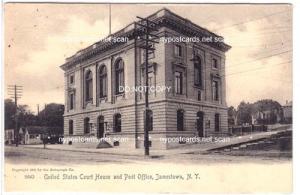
(143,30)
(38,109)
(15,92)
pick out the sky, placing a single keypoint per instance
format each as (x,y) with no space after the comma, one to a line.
(38,38)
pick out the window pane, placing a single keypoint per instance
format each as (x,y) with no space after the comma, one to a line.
(71,127)
(71,79)
(90,93)
(89,86)
(150,120)
(178,50)
(180,120)
(117,123)
(86,125)
(103,86)
(197,79)
(215,90)
(215,63)
(178,82)
(217,122)
(119,68)
(197,71)
(71,101)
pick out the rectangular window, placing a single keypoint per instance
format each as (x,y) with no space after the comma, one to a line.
(149,119)
(103,89)
(89,90)
(71,101)
(180,120)
(197,76)
(117,123)
(198,71)
(215,91)
(178,51)
(70,127)
(72,79)
(215,63)
(217,122)
(178,82)
(120,82)
(87,126)
(199,95)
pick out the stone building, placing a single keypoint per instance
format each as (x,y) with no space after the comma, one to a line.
(195,105)
(288,112)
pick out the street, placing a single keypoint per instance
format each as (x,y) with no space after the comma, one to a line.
(24,155)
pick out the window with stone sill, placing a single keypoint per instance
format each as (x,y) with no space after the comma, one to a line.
(199,96)
(71,127)
(71,79)
(87,127)
(103,82)
(119,76)
(215,63)
(150,119)
(117,123)
(217,122)
(180,120)
(198,71)
(178,50)
(215,90)
(89,86)
(72,101)
(178,82)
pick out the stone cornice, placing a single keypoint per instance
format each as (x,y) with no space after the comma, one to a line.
(164,18)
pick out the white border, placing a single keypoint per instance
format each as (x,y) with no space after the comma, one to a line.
(296,77)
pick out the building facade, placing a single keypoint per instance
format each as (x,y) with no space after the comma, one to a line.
(288,112)
(194,105)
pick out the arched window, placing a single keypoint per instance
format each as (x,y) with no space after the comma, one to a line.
(117,123)
(198,71)
(86,125)
(70,127)
(119,70)
(103,82)
(180,120)
(89,86)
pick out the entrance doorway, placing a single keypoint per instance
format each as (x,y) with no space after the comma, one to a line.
(100,127)
(200,128)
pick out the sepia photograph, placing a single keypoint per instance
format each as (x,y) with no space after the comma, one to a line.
(146,97)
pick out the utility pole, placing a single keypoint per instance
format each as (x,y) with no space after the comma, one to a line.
(38,109)
(15,92)
(143,30)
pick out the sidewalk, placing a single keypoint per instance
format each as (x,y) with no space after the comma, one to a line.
(191,148)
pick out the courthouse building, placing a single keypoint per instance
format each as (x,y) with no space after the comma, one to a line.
(195,105)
